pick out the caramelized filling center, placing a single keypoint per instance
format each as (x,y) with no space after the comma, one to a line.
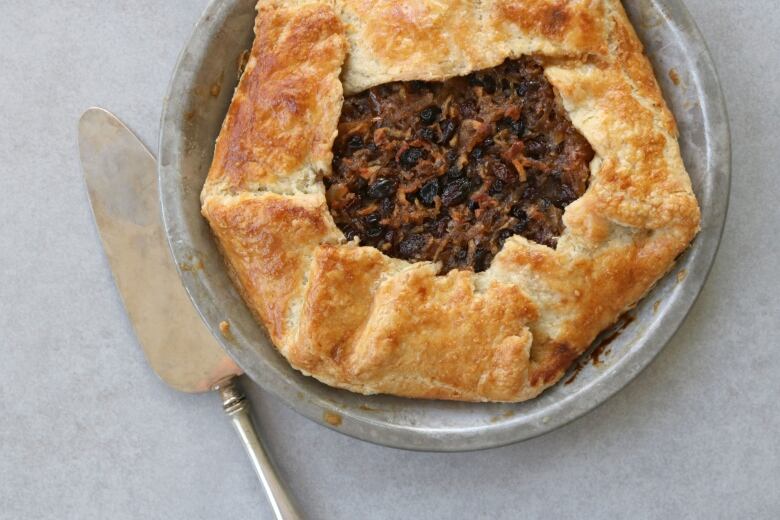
(447,171)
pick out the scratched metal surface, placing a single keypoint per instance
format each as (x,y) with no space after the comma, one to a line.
(194,108)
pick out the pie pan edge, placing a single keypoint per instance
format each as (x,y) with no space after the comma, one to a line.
(404,427)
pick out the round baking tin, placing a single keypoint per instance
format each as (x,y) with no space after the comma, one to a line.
(193,110)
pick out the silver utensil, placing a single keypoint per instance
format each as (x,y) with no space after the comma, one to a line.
(121,178)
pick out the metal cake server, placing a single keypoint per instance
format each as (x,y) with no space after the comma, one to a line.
(121,178)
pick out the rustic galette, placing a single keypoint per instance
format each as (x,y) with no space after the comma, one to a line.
(446,199)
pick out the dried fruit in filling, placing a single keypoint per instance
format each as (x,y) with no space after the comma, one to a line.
(448,171)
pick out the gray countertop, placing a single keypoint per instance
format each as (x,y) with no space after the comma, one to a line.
(87,431)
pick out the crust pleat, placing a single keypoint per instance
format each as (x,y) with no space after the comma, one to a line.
(357,319)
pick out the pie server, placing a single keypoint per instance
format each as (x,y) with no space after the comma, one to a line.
(121,178)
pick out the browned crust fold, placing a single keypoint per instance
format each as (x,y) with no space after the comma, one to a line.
(356,319)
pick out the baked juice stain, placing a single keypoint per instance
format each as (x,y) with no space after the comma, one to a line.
(574,374)
(216,87)
(241,62)
(191,267)
(602,349)
(332,418)
(506,415)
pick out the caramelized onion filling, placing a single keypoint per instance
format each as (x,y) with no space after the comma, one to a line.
(447,171)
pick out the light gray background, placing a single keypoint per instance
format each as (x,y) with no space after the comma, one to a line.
(87,431)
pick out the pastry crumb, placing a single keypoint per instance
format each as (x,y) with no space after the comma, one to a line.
(332,418)
(674,76)
(224,328)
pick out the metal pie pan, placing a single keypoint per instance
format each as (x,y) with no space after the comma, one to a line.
(194,108)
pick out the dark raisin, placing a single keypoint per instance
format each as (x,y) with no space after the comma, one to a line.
(452,156)
(505,84)
(518,212)
(481,259)
(416,85)
(477,153)
(474,80)
(503,235)
(428,133)
(430,225)
(473,205)
(535,148)
(372,220)
(522,221)
(518,127)
(526,86)
(454,172)
(387,206)
(487,143)
(373,148)
(355,142)
(566,196)
(468,108)
(504,122)
(475,182)
(428,192)
(501,171)
(411,156)
(520,227)
(381,188)
(441,226)
(358,184)
(455,192)
(430,114)
(349,233)
(461,255)
(374,232)
(497,187)
(489,84)
(411,245)
(448,128)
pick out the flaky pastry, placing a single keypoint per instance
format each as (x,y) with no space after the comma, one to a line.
(356,317)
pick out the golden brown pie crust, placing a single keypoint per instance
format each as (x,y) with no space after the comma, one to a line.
(357,319)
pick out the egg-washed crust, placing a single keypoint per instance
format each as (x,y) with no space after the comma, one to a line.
(357,319)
